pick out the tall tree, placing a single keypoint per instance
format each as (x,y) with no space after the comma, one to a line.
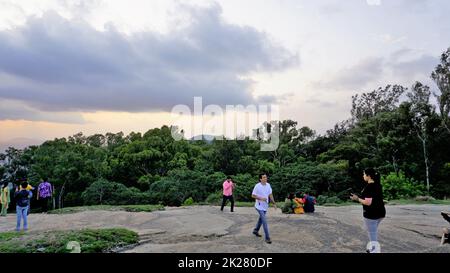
(422,111)
(381,100)
(441,76)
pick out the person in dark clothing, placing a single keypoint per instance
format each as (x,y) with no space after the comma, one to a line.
(374,210)
(310,201)
(22,198)
(446,231)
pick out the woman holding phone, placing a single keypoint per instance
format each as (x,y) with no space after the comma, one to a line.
(373,207)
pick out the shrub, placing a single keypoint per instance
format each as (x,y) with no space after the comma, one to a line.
(214,198)
(334,200)
(401,187)
(104,192)
(188,202)
(322,199)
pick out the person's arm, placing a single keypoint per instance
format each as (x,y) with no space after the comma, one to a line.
(254,196)
(37,197)
(446,215)
(366,201)
(273,200)
(8,198)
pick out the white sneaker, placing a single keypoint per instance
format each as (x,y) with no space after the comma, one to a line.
(373,247)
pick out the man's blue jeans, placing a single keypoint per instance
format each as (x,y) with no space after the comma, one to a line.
(262,221)
(22,213)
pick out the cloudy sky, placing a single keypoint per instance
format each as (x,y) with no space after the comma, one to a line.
(100,66)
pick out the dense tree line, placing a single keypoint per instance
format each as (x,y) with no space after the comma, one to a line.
(398,130)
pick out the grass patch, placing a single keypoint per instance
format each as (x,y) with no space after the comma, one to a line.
(130,208)
(6,236)
(90,240)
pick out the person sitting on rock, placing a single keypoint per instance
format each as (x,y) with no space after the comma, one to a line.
(289,204)
(299,202)
(310,201)
(446,231)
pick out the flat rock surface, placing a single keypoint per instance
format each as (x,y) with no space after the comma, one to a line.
(205,229)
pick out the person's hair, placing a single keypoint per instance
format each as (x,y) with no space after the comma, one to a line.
(261,175)
(24,184)
(5,184)
(298,195)
(45,179)
(228,177)
(373,174)
(291,196)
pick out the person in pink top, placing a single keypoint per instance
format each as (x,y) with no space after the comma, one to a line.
(228,187)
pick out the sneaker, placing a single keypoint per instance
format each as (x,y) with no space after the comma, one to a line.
(256,234)
(268,241)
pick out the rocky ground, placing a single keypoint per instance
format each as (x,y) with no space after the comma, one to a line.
(412,228)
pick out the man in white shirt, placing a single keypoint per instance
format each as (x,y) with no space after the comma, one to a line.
(262,193)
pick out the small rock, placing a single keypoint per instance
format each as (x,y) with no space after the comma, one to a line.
(41,249)
(424,198)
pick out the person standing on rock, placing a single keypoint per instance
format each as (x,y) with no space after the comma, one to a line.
(5,198)
(22,198)
(44,193)
(374,210)
(228,187)
(262,193)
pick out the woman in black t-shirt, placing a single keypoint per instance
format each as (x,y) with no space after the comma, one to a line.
(373,207)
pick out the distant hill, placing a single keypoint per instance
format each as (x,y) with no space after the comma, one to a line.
(19,143)
(207,138)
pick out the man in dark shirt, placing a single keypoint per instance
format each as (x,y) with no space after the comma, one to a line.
(22,198)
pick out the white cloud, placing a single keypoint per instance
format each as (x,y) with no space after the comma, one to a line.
(57,64)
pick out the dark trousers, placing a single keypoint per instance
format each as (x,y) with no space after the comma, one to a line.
(44,204)
(224,202)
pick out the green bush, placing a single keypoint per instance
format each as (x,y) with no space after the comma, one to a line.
(188,202)
(400,187)
(104,192)
(334,200)
(244,187)
(214,198)
(321,199)
(180,184)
